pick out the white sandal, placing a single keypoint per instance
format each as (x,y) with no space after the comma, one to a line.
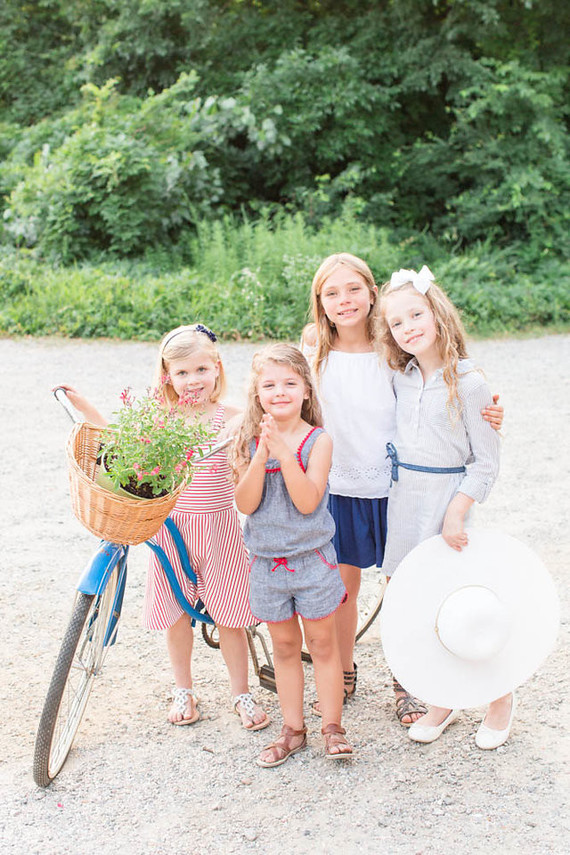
(180,701)
(248,705)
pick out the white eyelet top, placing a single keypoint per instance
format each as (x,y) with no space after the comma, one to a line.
(359,410)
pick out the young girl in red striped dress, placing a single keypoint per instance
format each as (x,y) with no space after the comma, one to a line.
(189,366)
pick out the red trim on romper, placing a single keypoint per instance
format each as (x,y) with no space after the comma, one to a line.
(344,598)
(297,453)
(324,560)
(313,429)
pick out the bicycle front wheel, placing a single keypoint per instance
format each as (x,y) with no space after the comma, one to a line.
(91,631)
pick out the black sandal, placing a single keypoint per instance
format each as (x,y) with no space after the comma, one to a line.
(407,705)
(349,678)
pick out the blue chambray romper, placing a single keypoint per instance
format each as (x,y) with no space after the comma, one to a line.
(293,562)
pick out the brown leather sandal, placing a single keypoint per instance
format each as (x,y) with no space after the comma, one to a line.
(282,749)
(334,737)
(407,705)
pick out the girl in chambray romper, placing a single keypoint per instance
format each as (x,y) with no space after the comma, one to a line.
(293,562)
(281,459)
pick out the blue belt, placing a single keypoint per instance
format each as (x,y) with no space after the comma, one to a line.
(440,470)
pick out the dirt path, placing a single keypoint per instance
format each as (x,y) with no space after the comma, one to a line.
(134,784)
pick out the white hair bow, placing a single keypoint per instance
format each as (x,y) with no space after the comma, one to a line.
(421,281)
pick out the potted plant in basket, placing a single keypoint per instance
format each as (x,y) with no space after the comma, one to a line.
(150,448)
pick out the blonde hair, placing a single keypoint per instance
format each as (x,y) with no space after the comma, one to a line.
(450,337)
(325,330)
(180,343)
(280,354)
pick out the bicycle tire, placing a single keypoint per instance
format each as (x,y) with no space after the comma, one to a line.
(372,589)
(210,635)
(82,652)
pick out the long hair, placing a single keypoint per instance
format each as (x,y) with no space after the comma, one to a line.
(280,354)
(180,343)
(450,337)
(325,330)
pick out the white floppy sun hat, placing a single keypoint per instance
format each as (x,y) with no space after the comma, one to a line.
(461,629)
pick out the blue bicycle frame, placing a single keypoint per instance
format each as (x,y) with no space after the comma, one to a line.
(98,571)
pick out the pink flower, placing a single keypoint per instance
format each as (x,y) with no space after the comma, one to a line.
(155,471)
(139,476)
(126,398)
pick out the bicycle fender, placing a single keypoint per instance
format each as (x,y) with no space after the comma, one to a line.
(93,578)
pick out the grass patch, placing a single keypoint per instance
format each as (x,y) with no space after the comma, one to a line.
(251,280)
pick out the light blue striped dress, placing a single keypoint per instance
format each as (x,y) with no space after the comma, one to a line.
(428,435)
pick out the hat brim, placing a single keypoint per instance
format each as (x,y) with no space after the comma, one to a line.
(426,577)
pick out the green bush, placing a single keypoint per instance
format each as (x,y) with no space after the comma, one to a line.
(250,280)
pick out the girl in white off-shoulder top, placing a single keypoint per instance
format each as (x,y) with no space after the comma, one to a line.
(357,397)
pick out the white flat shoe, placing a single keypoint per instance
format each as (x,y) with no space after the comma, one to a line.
(429,733)
(486,738)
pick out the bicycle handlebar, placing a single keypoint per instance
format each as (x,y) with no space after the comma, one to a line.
(60,394)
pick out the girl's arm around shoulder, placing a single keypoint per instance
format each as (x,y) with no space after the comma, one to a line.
(494,414)
(308,339)
(251,478)
(232,421)
(306,489)
(85,407)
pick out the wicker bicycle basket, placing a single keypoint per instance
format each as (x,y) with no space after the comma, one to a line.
(107,515)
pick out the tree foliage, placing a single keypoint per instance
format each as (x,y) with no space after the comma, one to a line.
(125,123)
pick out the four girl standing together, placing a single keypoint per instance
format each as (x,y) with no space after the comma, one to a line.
(282,460)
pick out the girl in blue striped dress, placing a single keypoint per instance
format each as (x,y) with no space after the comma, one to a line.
(445,456)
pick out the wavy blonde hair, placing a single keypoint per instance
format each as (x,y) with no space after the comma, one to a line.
(450,337)
(280,354)
(325,330)
(180,343)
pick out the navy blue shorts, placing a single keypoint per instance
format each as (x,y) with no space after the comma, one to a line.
(361,529)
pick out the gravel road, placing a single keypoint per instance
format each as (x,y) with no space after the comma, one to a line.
(133,783)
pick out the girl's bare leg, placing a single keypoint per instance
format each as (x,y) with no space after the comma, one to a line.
(179,642)
(499,713)
(321,639)
(287,642)
(346,622)
(233,644)
(346,616)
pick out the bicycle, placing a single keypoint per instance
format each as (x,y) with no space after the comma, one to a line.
(92,630)
(93,627)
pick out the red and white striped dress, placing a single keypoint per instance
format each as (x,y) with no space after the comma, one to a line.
(209,524)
